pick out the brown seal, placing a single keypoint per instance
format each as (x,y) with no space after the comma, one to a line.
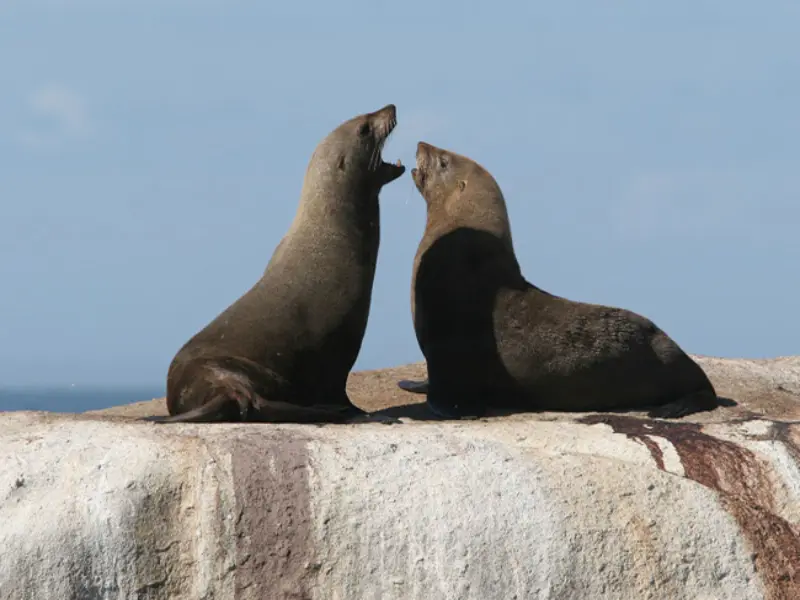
(283,351)
(493,340)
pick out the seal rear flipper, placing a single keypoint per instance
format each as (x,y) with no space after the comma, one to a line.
(413,386)
(220,409)
(691,403)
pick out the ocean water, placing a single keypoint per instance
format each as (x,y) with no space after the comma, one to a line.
(74,398)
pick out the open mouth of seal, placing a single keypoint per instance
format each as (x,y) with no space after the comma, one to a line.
(387,171)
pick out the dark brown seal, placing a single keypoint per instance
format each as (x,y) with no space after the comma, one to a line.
(283,351)
(493,340)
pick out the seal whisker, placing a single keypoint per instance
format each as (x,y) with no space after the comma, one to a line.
(374,159)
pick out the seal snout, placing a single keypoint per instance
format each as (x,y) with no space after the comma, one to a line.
(425,152)
(418,173)
(388,118)
(389,111)
(423,156)
(385,120)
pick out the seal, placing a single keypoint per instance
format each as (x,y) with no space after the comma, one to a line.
(493,340)
(282,352)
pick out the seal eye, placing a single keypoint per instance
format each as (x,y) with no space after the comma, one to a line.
(443,162)
(363,130)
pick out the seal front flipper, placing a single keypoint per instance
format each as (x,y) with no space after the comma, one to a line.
(414,386)
(452,413)
(373,418)
(691,403)
(456,404)
(275,411)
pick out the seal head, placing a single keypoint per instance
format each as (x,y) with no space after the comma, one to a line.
(352,152)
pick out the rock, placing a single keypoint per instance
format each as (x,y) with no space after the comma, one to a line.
(584,506)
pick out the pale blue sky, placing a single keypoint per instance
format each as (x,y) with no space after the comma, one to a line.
(151,157)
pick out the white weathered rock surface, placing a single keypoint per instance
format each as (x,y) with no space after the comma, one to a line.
(574,506)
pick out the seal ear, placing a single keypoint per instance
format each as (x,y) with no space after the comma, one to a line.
(462,185)
(341,163)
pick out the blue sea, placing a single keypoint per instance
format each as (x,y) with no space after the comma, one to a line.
(74,398)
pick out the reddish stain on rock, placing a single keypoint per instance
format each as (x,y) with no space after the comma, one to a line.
(274,541)
(744,488)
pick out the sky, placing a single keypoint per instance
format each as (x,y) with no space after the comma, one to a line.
(152,154)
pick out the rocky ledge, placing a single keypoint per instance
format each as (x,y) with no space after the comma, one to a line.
(547,505)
